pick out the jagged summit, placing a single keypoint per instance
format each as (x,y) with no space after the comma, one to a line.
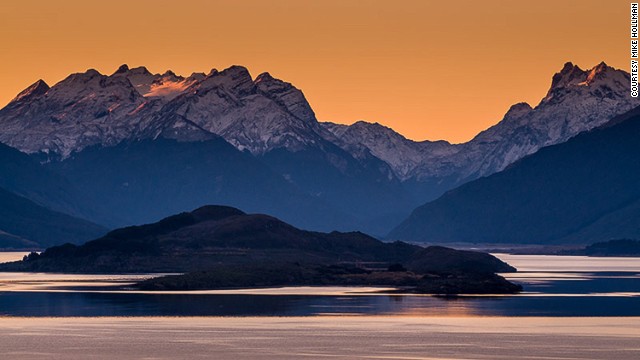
(569,67)
(162,87)
(598,73)
(255,115)
(125,69)
(602,66)
(578,100)
(403,155)
(122,69)
(367,173)
(234,72)
(267,113)
(602,80)
(198,76)
(90,108)
(36,89)
(287,95)
(235,79)
(569,74)
(83,109)
(518,109)
(89,73)
(265,76)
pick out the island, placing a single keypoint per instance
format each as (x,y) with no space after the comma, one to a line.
(219,247)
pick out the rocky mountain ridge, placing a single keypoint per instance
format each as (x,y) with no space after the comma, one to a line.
(90,108)
(578,100)
(370,175)
(262,114)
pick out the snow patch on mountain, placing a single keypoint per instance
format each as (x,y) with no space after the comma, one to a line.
(578,100)
(34,90)
(257,116)
(82,110)
(401,154)
(263,114)
(165,86)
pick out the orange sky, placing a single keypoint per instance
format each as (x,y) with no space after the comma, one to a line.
(429,69)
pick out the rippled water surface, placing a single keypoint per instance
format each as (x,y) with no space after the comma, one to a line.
(554,286)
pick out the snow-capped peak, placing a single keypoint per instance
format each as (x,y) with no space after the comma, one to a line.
(168,85)
(197,76)
(124,68)
(401,154)
(518,110)
(601,81)
(578,100)
(36,89)
(235,79)
(598,72)
(139,77)
(286,95)
(265,113)
(164,86)
(255,115)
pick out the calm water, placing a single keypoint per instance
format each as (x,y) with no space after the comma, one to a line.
(8,256)
(321,337)
(554,286)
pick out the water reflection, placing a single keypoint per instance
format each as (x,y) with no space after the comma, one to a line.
(549,291)
(555,263)
(136,304)
(9,256)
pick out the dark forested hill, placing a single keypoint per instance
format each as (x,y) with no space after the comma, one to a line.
(24,224)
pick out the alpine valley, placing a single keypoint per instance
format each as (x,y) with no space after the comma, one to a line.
(98,151)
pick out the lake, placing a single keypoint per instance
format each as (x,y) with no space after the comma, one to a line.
(572,308)
(554,286)
(320,337)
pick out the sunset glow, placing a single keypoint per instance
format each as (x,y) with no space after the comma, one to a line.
(429,69)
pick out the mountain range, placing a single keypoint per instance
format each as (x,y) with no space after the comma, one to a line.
(133,147)
(578,192)
(578,100)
